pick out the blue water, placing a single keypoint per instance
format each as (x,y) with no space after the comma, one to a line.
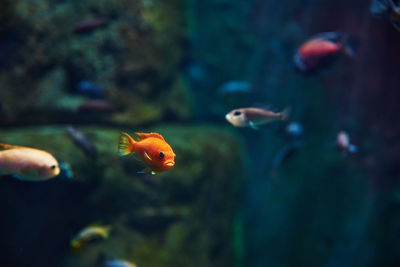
(74,74)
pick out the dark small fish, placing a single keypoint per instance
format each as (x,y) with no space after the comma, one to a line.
(235,87)
(386,9)
(97,106)
(90,89)
(81,141)
(285,154)
(90,25)
(252,117)
(320,50)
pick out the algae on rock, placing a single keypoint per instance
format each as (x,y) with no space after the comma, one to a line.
(184,217)
(136,58)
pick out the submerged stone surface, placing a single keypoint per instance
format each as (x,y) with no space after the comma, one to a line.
(184,217)
(135,58)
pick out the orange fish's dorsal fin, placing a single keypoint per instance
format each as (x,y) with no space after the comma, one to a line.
(125,144)
(7,147)
(142,136)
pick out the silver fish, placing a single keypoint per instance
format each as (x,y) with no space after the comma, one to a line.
(253,117)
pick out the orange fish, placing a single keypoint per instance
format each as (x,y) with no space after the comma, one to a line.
(151,148)
(320,50)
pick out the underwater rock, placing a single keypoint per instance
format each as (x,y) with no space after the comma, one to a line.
(137,59)
(183,217)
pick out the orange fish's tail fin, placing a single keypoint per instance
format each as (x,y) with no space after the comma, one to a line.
(125,144)
(285,114)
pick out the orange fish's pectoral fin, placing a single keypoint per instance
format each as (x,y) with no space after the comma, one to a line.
(125,144)
(147,156)
(147,171)
(142,136)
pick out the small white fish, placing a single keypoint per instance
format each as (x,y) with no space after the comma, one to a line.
(252,117)
(28,164)
(343,143)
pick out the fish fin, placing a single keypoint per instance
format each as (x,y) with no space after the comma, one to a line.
(106,231)
(135,156)
(253,126)
(125,144)
(7,147)
(11,176)
(141,136)
(329,36)
(147,156)
(348,45)
(285,114)
(76,245)
(348,50)
(395,24)
(65,170)
(380,9)
(265,107)
(146,171)
(394,7)
(353,149)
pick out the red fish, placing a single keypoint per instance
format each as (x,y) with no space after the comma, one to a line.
(151,148)
(320,50)
(90,24)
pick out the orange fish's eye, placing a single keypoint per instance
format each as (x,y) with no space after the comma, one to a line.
(237,113)
(162,155)
(53,166)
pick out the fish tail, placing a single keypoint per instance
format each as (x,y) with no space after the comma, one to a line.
(285,114)
(125,144)
(348,50)
(76,245)
(353,149)
(106,231)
